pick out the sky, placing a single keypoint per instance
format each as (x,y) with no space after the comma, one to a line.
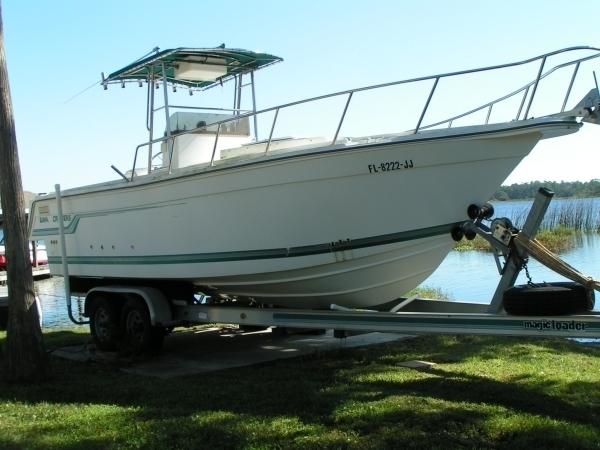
(57,49)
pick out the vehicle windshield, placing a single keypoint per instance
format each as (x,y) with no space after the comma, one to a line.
(1,236)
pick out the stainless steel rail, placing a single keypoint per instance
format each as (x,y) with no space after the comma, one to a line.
(203,108)
(526,89)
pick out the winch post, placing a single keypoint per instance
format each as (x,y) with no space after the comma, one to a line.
(514,262)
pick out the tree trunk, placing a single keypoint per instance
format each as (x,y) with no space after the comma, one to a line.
(25,357)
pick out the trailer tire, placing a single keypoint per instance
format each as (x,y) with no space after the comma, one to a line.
(139,336)
(104,323)
(548,299)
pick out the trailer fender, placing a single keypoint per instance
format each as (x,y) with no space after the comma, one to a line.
(157,303)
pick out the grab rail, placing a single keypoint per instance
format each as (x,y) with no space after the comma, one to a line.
(436,79)
(526,88)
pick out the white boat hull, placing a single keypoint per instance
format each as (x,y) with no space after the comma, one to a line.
(355,226)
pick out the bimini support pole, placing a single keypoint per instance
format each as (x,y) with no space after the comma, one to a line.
(254,106)
(63,256)
(170,142)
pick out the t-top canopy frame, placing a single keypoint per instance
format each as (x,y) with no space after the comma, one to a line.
(186,66)
(194,69)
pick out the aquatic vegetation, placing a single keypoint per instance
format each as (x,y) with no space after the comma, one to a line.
(576,214)
(429,292)
(564,221)
(557,239)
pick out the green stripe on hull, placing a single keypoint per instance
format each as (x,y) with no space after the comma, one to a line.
(245,255)
(71,228)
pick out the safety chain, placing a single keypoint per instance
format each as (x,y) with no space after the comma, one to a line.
(529,280)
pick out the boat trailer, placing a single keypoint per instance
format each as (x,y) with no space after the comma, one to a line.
(425,316)
(151,314)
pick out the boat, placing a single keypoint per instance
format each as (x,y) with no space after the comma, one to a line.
(224,202)
(37,254)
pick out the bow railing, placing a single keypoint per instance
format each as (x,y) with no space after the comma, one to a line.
(527,92)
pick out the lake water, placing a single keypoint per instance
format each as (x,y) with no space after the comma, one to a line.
(51,292)
(467,276)
(473,276)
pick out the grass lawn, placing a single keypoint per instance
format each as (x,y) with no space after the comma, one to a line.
(484,392)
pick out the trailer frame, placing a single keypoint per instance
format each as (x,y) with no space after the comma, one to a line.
(148,313)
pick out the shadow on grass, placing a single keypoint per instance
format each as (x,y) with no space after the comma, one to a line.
(354,398)
(516,394)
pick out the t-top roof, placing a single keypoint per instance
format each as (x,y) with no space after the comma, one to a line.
(194,67)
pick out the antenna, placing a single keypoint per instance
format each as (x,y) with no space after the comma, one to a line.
(84,90)
(154,50)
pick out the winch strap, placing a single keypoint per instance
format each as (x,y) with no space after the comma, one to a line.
(542,254)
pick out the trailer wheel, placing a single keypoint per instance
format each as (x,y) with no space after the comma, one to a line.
(551,299)
(104,323)
(138,333)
